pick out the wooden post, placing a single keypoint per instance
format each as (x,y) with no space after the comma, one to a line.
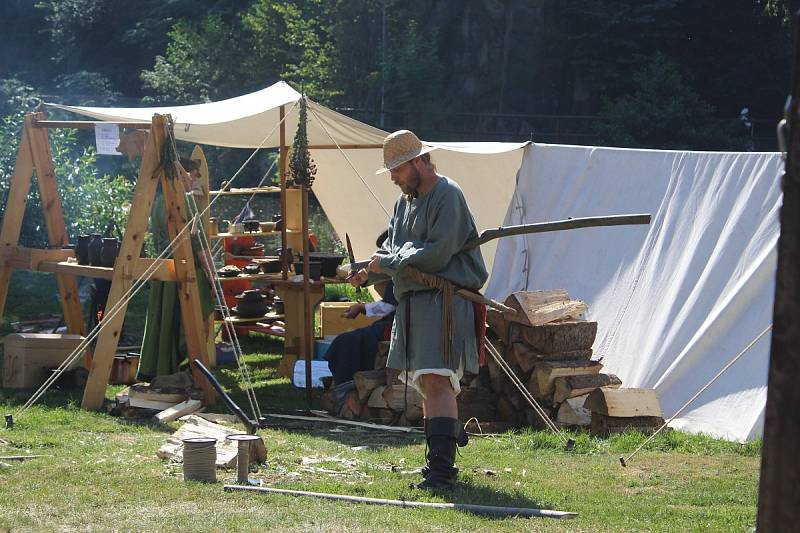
(54,219)
(130,249)
(308,307)
(282,173)
(778,508)
(15,210)
(188,293)
(202,204)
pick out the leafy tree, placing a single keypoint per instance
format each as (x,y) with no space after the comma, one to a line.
(663,112)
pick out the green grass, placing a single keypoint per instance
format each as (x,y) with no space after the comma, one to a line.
(103,474)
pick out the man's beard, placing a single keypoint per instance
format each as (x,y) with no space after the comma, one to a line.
(411,185)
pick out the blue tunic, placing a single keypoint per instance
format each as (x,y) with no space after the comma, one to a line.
(429,233)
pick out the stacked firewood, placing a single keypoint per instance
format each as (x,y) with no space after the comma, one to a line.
(379,396)
(548,347)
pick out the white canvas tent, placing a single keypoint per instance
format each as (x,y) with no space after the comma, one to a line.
(355,200)
(674,301)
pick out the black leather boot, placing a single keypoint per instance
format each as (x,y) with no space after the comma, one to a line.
(442,434)
(462,439)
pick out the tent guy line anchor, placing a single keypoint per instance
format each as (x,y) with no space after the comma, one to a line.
(623,461)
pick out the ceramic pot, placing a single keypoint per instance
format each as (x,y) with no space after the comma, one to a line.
(250,304)
(109,251)
(277,305)
(95,245)
(82,249)
(314,269)
(251,225)
(329,262)
(252,268)
(213,226)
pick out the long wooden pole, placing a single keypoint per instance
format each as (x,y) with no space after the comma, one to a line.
(308,314)
(282,172)
(779,490)
(471,508)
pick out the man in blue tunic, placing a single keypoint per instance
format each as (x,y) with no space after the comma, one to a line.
(433,339)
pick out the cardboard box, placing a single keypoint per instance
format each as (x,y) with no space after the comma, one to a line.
(27,356)
(332,322)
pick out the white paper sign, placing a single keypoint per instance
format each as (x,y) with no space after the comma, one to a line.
(107,138)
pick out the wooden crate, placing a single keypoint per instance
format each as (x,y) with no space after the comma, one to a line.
(29,355)
(332,322)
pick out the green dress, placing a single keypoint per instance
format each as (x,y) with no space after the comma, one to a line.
(429,233)
(164,342)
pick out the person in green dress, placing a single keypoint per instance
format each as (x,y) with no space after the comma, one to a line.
(164,342)
(433,340)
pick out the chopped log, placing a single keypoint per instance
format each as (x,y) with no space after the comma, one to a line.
(487,427)
(624,402)
(385,416)
(328,403)
(505,409)
(573,413)
(533,419)
(412,415)
(476,402)
(144,391)
(367,380)
(376,400)
(396,399)
(382,355)
(555,337)
(526,357)
(497,323)
(572,386)
(541,385)
(351,407)
(603,425)
(535,308)
(177,411)
(393,376)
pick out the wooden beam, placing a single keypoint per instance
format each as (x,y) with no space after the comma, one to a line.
(87,124)
(14,213)
(130,249)
(344,146)
(54,220)
(164,272)
(282,162)
(188,293)
(202,206)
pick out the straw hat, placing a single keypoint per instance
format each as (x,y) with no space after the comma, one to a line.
(399,147)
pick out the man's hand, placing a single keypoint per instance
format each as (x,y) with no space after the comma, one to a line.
(354,310)
(375,264)
(359,278)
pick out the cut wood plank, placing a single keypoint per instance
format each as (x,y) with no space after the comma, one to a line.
(526,357)
(603,426)
(559,336)
(624,402)
(143,403)
(541,385)
(396,399)
(573,413)
(572,386)
(367,380)
(376,400)
(535,308)
(227,451)
(497,323)
(145,392)
(177,411)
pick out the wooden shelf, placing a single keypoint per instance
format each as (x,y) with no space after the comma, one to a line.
(239,320)
(278,280)
(246,190)
(227,235)
(164,272)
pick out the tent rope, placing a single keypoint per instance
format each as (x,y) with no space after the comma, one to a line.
(525,392)
(360,177)
(624,461)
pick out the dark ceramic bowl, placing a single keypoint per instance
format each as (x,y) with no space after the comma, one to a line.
(314,269)
(329,262)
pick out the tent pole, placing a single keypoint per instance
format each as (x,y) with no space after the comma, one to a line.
(282,174)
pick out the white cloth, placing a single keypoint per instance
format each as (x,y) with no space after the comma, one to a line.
(379,308)
(676,300)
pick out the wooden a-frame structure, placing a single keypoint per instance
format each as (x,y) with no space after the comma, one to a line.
(34,156)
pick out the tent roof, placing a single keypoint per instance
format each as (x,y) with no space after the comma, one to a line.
(347,188)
